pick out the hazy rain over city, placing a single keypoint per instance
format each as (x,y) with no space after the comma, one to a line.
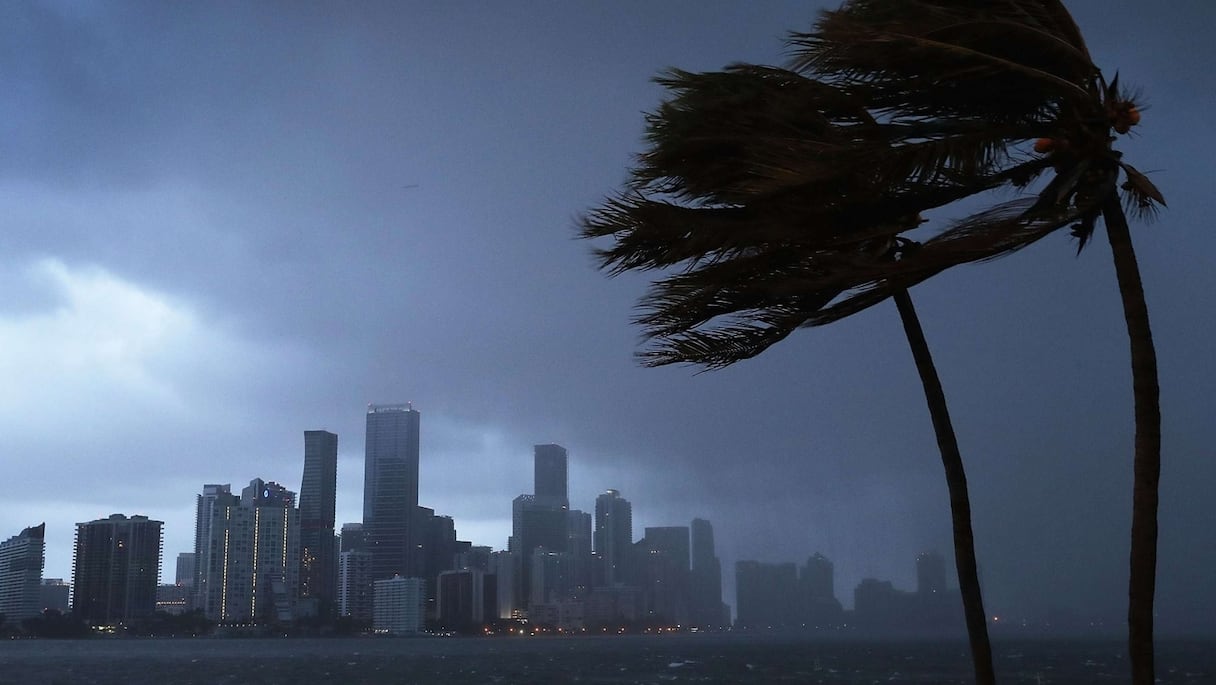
(228,223)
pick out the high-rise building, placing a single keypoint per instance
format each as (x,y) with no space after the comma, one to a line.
(390,490)
(399,605)
(661,571)
(930,573)
(352,537)
(550,479)
(253,559)
(115,568)
(203,516)
(355,589)
(22,558)
(819,607)
(318,497)
(705,580)
(614,535)
(764,592)
(185,569)
(466,598)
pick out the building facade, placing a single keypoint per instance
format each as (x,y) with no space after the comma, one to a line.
(390,490)
(116,568)
(252,572)
(318,499)
(613,535)
(399,606)
(22,559)
(550,474)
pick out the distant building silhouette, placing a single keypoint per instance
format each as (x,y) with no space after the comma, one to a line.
(765,594)
(661,571)
(541,521)
(613,536)
(705,580)
(116,568)
(390,490)
(318,498)
(354,574)
(252,571)
(818,607)
(550,474)
(22,558)
(930,573)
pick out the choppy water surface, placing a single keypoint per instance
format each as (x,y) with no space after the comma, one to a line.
(591,660)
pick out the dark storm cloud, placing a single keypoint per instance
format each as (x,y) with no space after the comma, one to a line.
(304,209)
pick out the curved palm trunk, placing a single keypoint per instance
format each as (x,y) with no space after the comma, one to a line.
(1147,466)
(956,481)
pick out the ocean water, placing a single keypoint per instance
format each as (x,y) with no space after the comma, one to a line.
(705,659)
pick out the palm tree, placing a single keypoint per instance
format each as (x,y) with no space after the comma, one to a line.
(784,198)
(760,183)
(986,77)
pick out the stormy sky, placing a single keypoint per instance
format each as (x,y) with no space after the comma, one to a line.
(222,224)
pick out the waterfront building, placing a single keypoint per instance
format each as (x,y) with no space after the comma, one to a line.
(115,568)
(819,609)
(172,599)
(467,598)
(252,572)
(764,593)
(55,595)
(661,567)
(930,573)
(355,593)
(390,490)
(398,605)
(613,535)
(705,606)
(318,498)
(22,558)
(204,514)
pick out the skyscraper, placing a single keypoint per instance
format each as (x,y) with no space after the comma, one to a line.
(705,583)
(930,573)
(550,474)
(203,516)
(390,490)
(318,496)
(253,564)
(614,535)
(115,568)
(22,558)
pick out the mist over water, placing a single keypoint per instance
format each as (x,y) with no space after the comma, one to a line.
(705,658)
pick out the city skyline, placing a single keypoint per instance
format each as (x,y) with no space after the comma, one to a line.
(217,237)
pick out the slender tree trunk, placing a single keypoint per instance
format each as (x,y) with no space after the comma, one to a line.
(1147,467)
(956,481)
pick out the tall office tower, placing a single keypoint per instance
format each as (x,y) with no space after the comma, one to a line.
(579,535)
(661,571)
(930,573)
(318,497)
(535,525)
(185,569)
(818,606)
(705,581)
(466,599)
(614,535)
(115,568)
(203,515)
(22,558)
(550,479)
(253,564)
(763,593)
(390,489)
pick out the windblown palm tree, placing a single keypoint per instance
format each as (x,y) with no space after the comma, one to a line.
(782,199)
